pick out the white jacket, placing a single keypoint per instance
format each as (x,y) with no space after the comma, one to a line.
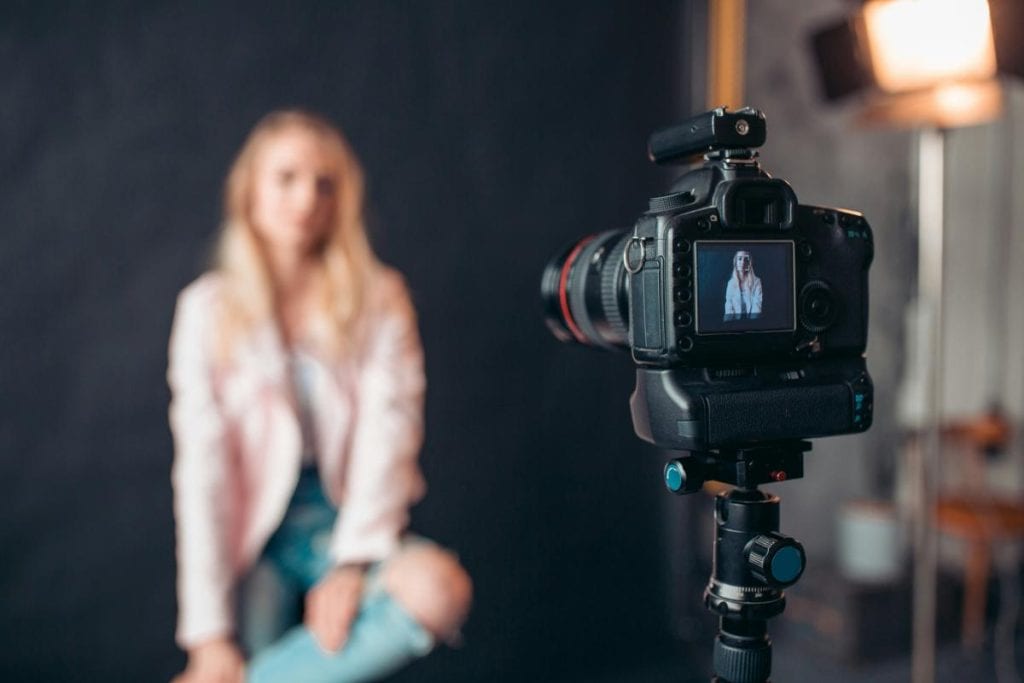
(238,444)
(743,303)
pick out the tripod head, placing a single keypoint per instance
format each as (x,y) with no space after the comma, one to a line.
(753,562)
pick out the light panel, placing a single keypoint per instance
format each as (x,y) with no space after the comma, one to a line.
(917,44)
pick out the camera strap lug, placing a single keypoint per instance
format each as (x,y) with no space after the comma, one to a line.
(635,241)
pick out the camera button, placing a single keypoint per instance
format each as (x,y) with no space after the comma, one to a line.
(703,224)
(682,246)
(828,217)
(683,295)
(684,344)
(806,251)
(683,319)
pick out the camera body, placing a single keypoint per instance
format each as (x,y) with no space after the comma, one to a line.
(745,312)
(708,285)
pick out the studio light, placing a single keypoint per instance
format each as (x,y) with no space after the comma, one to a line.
(916,44)
(923,62)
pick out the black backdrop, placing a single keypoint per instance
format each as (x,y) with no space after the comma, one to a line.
(492,134)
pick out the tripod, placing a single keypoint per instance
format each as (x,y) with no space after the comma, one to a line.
(752,560)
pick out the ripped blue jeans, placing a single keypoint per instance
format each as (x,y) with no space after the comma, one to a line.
(384,637)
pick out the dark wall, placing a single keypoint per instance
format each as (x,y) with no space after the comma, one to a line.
(492,134)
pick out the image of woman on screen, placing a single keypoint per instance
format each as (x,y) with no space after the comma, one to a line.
(743,294)
(297,388)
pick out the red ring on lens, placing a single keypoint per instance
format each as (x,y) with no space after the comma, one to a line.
(563,297)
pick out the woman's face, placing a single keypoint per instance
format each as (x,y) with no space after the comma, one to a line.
(743,262)
(294,190)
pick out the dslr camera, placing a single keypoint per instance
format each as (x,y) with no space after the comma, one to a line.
(745,311)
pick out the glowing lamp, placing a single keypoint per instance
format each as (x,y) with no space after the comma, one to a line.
(930,62)
(918,43)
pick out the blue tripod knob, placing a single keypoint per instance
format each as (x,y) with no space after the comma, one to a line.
(683,476)
(776,560)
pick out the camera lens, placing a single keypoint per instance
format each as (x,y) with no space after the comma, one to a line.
(584,292)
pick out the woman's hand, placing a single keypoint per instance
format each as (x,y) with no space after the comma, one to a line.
(215,661)
(331,606)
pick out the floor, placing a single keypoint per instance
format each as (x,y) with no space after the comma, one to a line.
(797,659)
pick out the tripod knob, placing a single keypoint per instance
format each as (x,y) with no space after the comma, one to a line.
(684,475)
(775,559)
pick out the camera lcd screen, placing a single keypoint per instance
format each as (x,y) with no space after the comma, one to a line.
(745,287)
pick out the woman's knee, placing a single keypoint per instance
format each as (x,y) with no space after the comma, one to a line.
(432,585)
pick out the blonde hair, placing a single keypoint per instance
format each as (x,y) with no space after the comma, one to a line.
(744,282)
(344,260)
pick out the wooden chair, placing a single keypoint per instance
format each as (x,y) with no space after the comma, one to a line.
(980,517)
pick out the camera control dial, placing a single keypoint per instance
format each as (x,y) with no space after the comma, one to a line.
(818,306)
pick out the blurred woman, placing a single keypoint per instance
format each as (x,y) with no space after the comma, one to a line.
(743,294)
(297,412)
